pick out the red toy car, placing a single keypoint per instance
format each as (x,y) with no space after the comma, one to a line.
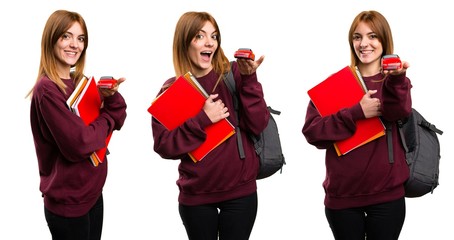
(245,53)
(391,62)
(107,82)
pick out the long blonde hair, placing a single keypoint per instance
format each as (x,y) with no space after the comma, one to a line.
(56,26)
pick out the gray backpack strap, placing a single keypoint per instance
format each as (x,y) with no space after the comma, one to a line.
(431,127)
(402,135)
(230,82)
(400,124)
(389,138)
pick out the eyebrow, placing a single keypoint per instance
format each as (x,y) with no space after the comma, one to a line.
(201,30)
(72,34)
(369,33)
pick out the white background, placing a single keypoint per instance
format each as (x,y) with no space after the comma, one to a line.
(303,43)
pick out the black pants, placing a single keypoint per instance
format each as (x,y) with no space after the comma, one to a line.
(232,220)
(87,227)
(377,222)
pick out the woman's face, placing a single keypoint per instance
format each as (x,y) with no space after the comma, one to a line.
(69,48)
(202,49)
(366,44)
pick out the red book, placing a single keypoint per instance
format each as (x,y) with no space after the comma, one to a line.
(183,100)
(341,90)
(85,101)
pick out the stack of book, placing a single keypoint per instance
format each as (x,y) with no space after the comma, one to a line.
(85,102)
(344,89)
(184,99)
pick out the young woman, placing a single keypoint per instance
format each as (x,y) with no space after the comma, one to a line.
(71,186)
(217,194)
(364,189)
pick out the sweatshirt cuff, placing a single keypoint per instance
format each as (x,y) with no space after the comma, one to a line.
(112,98)
(357,112)
(246,79)
(203,119)
(395,80)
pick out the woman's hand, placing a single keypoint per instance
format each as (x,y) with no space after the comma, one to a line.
(107,92)
(371,106)
(248,66)
(215,110)
(399,71)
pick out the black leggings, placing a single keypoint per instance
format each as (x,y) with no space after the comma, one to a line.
(379,222)
(86,227)
(232,220)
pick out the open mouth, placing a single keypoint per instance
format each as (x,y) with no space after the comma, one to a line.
(206,55)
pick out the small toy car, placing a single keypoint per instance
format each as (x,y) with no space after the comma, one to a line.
(391,62)
(245,53)
(107,82)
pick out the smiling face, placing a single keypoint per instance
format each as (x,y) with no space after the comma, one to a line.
(367,46)
(202,48)
(68,49)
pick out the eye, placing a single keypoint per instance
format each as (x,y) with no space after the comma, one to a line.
(214,37)
(198,36)
(373,36)
(81,39)
(65,36)
(356,37)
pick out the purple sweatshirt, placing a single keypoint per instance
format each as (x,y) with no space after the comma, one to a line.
(363,176)
(69,183)
(221,175)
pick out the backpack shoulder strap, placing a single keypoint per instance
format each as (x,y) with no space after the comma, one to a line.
(230,82)
(389,139)
(400,125)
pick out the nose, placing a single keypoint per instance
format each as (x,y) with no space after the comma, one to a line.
(74,43)
(364,42)
(209,42)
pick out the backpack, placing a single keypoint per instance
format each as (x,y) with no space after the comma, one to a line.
(267,144)
(422,152)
